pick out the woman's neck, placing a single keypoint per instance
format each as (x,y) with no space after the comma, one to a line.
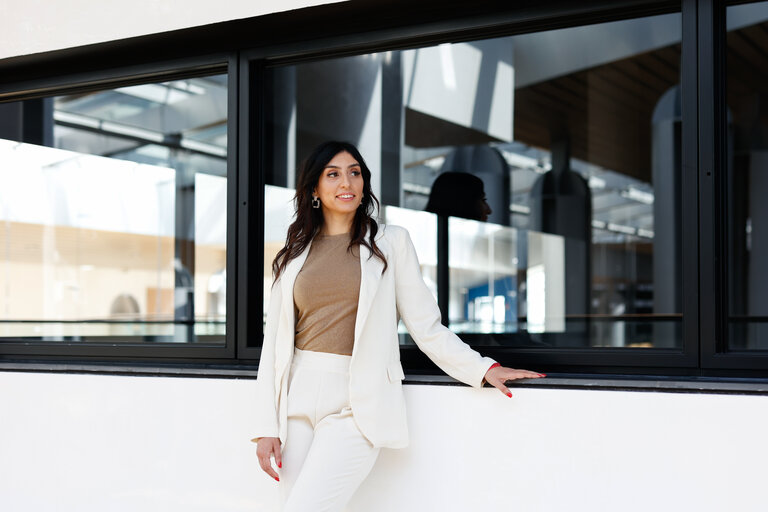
(335,225)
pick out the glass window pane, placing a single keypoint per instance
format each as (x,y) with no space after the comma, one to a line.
(747,175)
(550,155)
(114,221)
(278,210)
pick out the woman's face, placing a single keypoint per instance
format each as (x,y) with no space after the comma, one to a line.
(485,209)
(340,187)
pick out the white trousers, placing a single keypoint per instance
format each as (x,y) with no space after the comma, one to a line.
(325,457)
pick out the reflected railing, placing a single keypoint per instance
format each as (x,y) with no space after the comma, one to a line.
(747,333)
(508,287)
(111,331)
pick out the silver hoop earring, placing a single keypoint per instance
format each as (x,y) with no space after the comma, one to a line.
(315,202)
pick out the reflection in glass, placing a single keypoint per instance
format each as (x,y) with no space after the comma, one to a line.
(118,231)
(483,277)
(421,227)
(574,135)
(747,175)
(279,213)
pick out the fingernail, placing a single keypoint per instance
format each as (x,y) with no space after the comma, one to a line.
(280,464)
(542,375)
(277,478)
(509,394)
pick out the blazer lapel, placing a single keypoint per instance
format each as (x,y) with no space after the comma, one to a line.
(289,278)
(287,327)
(370,277)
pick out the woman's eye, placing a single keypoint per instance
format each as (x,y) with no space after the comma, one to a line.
(355,173)
(332,174)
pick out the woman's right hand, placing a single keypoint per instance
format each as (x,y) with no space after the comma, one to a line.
(267,447)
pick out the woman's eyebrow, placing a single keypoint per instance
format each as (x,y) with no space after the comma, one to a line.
(338,167)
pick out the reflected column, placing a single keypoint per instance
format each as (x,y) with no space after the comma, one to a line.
(184,257)
(667,172)
(561,204)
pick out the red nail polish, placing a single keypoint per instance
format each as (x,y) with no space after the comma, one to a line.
(280,464)
(509,395)
(543,374)
(277,478)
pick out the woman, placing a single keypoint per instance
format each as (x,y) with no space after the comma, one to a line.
(329,388)
(459,194)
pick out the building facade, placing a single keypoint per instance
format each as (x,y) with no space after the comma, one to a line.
(617,242)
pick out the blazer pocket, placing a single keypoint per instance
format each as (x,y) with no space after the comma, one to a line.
(395,372)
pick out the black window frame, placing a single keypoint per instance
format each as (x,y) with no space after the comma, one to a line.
(713,170)
(245,48)
(599,360)
(107,78)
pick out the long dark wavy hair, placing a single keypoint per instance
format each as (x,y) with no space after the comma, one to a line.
(310,220)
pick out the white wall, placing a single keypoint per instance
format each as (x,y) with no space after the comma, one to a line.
(33,26)
(117,443)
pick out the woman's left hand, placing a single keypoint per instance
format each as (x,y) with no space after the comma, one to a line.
(498,375)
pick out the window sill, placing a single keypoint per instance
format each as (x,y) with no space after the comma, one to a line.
(653,383)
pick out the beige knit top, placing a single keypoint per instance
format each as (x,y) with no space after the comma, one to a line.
(325,296)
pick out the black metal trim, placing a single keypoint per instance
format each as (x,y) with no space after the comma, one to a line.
(443,22)
(301,35)
(233,221)
(244,205)
(113,76)
(708,171)
(689,188)
(443,267)
(251,305)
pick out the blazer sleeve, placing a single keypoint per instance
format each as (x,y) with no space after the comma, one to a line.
(421,315)
(266,403)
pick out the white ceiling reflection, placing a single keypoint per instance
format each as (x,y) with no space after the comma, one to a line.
(622,206)
(48,186)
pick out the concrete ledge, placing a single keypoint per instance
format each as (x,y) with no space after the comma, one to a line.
(651,383)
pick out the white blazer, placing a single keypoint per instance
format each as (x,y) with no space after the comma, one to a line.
(375,392)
